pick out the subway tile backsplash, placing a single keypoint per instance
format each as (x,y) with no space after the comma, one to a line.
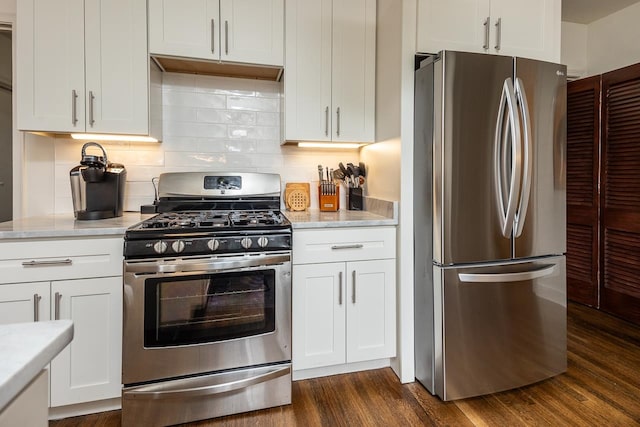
(209,124)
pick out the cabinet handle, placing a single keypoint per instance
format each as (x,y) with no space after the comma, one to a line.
(486,33)
(498,33)
(338,247)
(326,121)
(213,36)
(338,122)
(74,108)
(47,263)
(340,286)
(226,37)
(353,284)
(36,307)
(91,98)
(56,309)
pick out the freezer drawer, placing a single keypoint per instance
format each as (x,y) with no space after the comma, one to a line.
(502,326)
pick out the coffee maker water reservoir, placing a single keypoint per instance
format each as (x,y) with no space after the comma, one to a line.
(97,186)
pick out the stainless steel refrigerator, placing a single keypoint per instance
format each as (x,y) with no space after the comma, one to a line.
(489,223)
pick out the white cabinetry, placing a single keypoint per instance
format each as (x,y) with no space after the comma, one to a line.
(344,305)
(243,31)
(330,70)
(527,28)
(83,66)
(77,279)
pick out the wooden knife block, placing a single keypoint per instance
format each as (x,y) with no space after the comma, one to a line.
(329,202)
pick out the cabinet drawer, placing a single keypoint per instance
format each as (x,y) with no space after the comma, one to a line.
(343,244)
(44,260)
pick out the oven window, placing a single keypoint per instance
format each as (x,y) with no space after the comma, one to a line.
(208,308)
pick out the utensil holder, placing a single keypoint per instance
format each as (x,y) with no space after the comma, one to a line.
(354,199)
(329,197)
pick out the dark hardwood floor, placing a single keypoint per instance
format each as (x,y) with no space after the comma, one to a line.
(600,388)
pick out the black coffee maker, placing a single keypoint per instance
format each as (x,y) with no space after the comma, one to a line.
(97,186)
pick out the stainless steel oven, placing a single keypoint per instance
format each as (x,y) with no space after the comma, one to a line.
(207,318)
(189,319)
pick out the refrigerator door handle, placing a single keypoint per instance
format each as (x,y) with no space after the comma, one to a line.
(528,158)
(507,214)
(548,270)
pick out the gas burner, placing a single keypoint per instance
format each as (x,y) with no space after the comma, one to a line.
(256,218)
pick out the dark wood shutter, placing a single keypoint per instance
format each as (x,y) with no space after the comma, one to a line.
(620,193)
(583,139)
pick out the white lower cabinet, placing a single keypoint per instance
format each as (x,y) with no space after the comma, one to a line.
(343,311)
(85,286)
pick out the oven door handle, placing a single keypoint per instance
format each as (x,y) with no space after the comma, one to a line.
(176,388)
(214,266)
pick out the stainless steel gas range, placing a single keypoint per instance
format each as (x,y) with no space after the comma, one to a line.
(207,301)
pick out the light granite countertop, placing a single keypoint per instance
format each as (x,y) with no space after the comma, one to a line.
(64,225)
(314,218)
(25,349)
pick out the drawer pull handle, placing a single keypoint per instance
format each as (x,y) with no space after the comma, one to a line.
(356,246)
(47,263)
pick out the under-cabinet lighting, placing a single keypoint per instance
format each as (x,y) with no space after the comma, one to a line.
(107,137)
(328,145)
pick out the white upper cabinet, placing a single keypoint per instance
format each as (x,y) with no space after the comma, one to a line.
(330,70)
(526,28)
(243,31)
(82,66)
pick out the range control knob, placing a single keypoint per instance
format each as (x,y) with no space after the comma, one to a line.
(177,246)
(246,242)
(160,247)
(213,244)
(263,241)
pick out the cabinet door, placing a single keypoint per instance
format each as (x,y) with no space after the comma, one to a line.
(454,25)
(583,201)
(353,70)
(24,302)
(371,312)
(50,65)
(189,29)
(529,29)
(116,66)
(252,31)
(318,312)
(90,367)
(307,80)
(619,190)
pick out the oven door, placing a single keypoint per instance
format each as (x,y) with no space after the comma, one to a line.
(194,315)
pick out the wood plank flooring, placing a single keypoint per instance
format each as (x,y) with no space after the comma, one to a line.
(600,388)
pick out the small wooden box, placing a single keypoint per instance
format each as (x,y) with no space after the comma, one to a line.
(329,202)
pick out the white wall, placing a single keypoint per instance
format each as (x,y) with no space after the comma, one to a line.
(8,7)
(209,124)
(574,49)
(603,45)
(614,41)
(391,157)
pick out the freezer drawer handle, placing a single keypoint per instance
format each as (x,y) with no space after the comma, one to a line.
(507,277)
(175,390)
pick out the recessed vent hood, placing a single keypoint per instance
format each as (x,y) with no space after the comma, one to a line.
(216,68)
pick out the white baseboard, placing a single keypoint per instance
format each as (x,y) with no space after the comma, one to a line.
(60,412)
(340,369)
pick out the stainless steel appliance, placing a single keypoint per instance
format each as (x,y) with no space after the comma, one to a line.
(97,186)
(489,215)
(207,301)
